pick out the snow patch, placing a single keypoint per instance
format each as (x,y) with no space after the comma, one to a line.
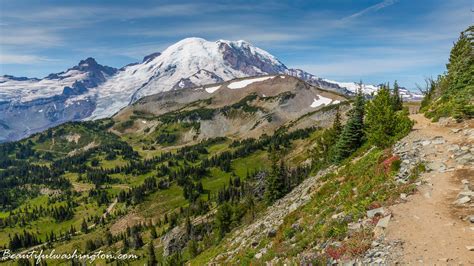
(244,83)
(212,89)
(321,101)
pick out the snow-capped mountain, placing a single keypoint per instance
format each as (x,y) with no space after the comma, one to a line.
(188,63)
(87,74)
(92,91)
(29,105)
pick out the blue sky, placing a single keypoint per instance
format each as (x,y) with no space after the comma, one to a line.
(370,40)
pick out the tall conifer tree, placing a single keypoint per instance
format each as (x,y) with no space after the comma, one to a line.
(352,135)
(397,100)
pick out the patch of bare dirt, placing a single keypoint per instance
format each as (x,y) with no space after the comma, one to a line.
(128,220)
(73,138)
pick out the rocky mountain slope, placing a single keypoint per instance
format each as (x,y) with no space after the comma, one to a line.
(240,108)
(32,105)
(91,91)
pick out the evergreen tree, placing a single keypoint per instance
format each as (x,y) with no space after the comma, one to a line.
(352,135)
(193,248)
(452,94)
(337,125)
(84,227)
(275,182)
(153,233)
(397,100)
(151,255)
(384,122)
(223,219)
(380,118)
(324,145)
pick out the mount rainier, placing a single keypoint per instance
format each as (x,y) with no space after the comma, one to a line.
(93,91)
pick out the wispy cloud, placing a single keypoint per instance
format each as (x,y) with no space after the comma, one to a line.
(29,36)
(22,59)
(99,13)
(370,9)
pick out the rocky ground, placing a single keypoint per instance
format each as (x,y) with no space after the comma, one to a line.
(435,225)
(267,224)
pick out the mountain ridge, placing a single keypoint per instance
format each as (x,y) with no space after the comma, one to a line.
(91,91)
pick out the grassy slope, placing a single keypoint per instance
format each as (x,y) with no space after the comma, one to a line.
(357,186)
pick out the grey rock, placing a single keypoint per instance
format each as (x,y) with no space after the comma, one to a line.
(338,215)
(453,147)
(438,140)
(272,233)
(383,223)
(372,213)
(354,226)
(466,193)
(463,200)
(436,166)
(296,226)
(470,218)
(375,244)
(425,142)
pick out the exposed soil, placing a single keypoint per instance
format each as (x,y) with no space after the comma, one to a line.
(432,229)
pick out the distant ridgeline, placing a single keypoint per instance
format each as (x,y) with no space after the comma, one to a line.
(452,93)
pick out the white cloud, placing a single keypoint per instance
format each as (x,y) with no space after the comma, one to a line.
(22,59)
(373,8)
(30,37)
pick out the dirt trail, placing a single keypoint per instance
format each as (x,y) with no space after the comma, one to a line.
(432,228)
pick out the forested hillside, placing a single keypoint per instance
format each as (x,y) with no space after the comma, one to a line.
(452,93)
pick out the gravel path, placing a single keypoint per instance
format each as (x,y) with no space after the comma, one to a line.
(436,225)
